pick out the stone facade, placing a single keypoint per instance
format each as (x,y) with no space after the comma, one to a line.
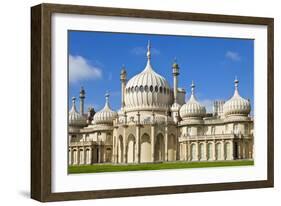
(155,124)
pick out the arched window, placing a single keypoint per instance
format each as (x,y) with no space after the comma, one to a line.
(213,130)
(146,88)
(141,88)
(161,89)
(156,89)
(151,89)
(136,89)
(164,90)
(132,89)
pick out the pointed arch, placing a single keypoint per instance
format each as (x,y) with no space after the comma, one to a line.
(202,152)
(75,156)
(145,153)
(227,150)
(159,152)
(193,152)
(172,147)
(131,148)
(219,155)
(120,149)
(210,151)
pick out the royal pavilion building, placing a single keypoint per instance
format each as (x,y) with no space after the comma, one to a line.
(155,124)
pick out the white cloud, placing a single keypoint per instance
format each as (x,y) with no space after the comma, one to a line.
(234,56)
(80,69)
(142,51)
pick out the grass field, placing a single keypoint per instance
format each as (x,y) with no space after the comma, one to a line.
(154,166)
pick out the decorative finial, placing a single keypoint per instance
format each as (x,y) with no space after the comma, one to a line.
(192,87)
(73,100)
(82,92)
(106,96)
(236,83)
(148,54)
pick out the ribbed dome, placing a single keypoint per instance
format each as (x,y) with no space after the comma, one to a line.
(192,108)
(74,117)
(147,90)
(106,115)
(237,105)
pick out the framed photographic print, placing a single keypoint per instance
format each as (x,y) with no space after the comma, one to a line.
(132,102)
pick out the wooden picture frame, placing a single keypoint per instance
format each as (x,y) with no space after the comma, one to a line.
(41,117)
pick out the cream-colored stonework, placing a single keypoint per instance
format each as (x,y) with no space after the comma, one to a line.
(155,124)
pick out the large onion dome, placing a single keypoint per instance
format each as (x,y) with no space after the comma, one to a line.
(237,105)
(74,117)
(147,90)
(192,109)
(106,115)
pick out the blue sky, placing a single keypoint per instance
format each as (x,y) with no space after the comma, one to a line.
(96,58)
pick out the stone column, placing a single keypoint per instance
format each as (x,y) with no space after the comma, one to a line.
(198,151)
(214,151)
(206,150)
(152,141)
(231,151)
(223,150)
(188,151)
(166,143)
(124,146)
(239,150)
(137,147)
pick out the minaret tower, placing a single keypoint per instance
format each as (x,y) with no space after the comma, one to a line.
(82,97)
(123,79)
(175,75)
(175,107)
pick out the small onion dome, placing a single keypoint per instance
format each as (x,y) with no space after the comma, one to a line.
(175,107)
(192,109)
(74,117)
(147,90)
(106,115)
(237,105)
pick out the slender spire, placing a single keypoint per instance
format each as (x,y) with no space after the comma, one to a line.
(148,54)
(73,108)
(236,82)
(192,97)
(107,99)
(192,87)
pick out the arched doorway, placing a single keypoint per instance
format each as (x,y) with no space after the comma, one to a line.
(171,148)
(75,157)
(246,150)
(145,148)
(202,153)
(159,153)
(69,157)
(219,151)
(88,156)
(227,150)
(131,149)
(120,149)
(210,152)
(193,152)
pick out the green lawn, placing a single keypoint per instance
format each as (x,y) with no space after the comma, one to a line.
(154,166)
